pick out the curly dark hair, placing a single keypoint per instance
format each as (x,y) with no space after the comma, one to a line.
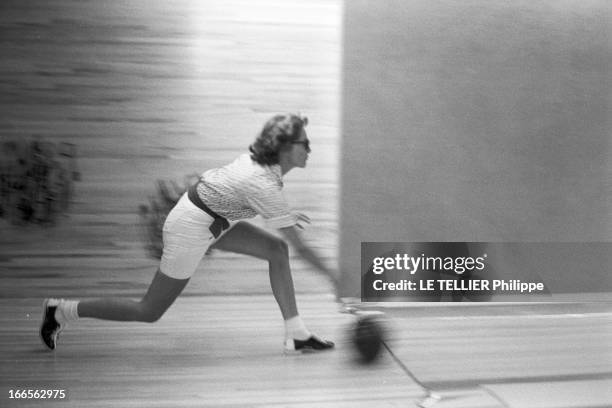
(277,135)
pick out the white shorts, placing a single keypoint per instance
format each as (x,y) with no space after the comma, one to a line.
(186,239)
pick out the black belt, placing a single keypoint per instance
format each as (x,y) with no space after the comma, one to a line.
(220,223)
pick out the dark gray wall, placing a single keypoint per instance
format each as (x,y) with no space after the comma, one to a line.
(474,121)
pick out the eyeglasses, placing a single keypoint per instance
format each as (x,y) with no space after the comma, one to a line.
(305,143)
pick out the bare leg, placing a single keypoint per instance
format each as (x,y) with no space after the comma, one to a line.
(161,294)
(248,239)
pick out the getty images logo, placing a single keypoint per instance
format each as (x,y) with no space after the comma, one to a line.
(412,264)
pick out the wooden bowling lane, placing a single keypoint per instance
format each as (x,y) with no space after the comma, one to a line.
(206,351)
(225,351)
(547,355)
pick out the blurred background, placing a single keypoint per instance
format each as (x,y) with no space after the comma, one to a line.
(144,92)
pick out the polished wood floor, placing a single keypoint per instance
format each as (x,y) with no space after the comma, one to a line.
(157,90)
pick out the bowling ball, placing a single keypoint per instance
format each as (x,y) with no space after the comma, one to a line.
(368,337)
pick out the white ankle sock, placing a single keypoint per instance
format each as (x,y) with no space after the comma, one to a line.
(296,329)
(67,311)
